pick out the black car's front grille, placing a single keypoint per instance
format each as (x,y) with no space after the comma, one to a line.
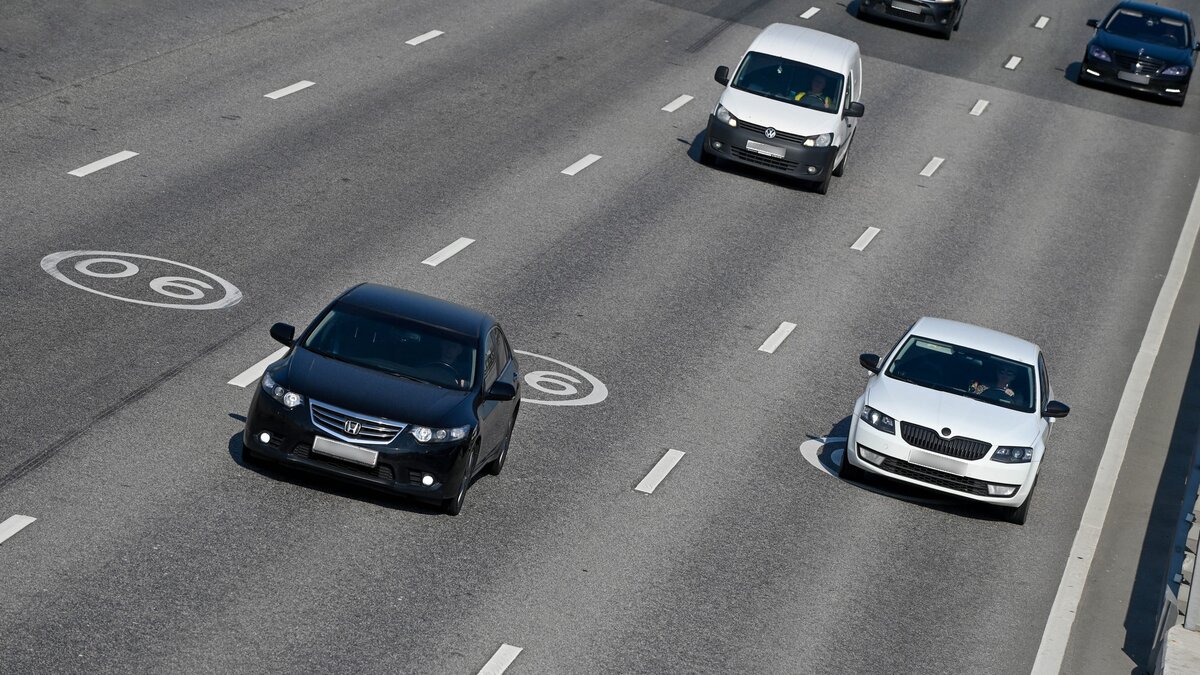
(928,439)
(354,426)
(781,135)
(380,470)
(764,160)
(900,467)
(1144,65)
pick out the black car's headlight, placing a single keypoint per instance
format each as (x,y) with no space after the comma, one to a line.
(1096,52)
(1176,71)
(431,435)
(1010,455)
(289,398)
(877,419)
(725,116)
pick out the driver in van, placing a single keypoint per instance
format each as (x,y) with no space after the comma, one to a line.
(816,93)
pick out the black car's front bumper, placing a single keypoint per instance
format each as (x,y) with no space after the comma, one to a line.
(1106,72)
(798,161)
(399,468)
(940,16)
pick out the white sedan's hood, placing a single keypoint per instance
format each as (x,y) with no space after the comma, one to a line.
(768,112)
(964,416)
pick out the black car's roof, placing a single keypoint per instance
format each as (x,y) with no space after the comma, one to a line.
(418,307)
(1155,9)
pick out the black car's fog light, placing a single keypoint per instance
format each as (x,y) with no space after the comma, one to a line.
(811,169)
(265,437)
(427,480)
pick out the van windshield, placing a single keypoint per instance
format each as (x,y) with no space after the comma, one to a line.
(790,81)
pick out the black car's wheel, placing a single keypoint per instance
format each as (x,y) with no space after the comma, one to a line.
(1019,514)
(453,506)
(495,466)
(848,471)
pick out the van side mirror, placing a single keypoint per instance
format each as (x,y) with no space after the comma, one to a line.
(1056,409)
(1093,23)
(284,333)
(502,391)
(722,75)
(855,109)
(870,362)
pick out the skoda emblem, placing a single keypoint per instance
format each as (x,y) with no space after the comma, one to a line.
(769,132)
(946,431)
(352,427)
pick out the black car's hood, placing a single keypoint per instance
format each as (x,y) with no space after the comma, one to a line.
(1172,55)
(370,392)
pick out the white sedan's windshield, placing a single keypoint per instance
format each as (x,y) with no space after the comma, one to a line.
(964,371)
(783,80)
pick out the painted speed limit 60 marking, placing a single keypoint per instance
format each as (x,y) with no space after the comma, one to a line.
(111,274)
(565,384)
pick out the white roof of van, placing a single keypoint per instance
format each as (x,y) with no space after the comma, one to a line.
(806,46)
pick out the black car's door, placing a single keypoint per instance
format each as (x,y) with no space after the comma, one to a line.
(493,420)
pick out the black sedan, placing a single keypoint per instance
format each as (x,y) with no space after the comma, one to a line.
(1142,47)
(940,16)
(392,389)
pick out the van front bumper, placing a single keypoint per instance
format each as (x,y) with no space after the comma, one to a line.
(798,161)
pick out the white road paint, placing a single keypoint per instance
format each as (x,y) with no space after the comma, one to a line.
(980,106)
(865,238)
(581,165)
(445,254)
(810,12)
(677,103)
(14,525)
(424,37)
(251,374)
(102,163)
(1087,537)
(932,166)
(280,93)
(1013,62)
(772,343)
(501,660)
(660,471)
(176,287)
(560,385)
(1041,22)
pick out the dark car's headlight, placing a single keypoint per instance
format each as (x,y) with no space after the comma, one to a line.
(877,419)
(431,435)
(1177,71)
(1010,455)
(289,398)
(1096,52)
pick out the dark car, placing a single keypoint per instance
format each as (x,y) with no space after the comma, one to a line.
(392,389)
(941,16)
(1142,47)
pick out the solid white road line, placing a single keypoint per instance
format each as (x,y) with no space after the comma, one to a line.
(932,166)
(444,254)
(660,471)
(1013,62)
(14,525)
(101,163)
(810,13)
(1041,22)
(865,238)
(424,37)
(581,165)
(501,660)
(280,93)
(785,329)
(1087,537)
(677,103)
(255,371)
(980,106)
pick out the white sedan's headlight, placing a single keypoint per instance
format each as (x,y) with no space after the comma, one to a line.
(429,435)
(289,398)
(821,141)
(725,116)
(1010,455)
(878,420)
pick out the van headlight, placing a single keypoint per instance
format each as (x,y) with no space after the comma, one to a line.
(821,141)
(289,398)
(725,116)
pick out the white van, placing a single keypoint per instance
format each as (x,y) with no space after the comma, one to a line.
(791,107)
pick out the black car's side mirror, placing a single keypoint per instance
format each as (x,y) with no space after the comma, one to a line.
(870,362)
(855,109)
(1056,409)
(1196,47)
(722,75)
(1093,23)
(284,333)
(502,391)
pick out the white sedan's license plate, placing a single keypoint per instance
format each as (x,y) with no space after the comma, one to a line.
(939,462)
(1133,77)
(350,453)
(906,7)
(764,149)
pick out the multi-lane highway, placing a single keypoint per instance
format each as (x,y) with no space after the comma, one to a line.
(1053,215)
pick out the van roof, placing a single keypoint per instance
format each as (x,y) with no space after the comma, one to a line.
(806,46)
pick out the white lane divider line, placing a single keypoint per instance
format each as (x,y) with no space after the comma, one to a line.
(581,165)
(14,525)
(424,37)
(810,12)
(932,166)
(501,660)
(1013,62)
(772,343)
(980,106)
(677,103)
(290,89)
(102,163)
(444,254)
(865,238)
(660,471)
(1041,22)
(255,371)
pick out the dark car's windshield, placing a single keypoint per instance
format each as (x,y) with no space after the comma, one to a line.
(1148,27)
(966,372)
(385,343)
(789,81)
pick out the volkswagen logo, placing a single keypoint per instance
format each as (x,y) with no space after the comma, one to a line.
(352,427)
(769,132)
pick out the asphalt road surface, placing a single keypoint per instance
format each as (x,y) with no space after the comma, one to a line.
(1053,217)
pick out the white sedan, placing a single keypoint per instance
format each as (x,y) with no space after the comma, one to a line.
(956,408)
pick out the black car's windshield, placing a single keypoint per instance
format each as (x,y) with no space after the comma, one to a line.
(790,81)
(966,372)
(1148,27)
(385,343)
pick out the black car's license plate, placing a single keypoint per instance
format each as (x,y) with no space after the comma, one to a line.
(906,7)
(1133,77)
(350,453)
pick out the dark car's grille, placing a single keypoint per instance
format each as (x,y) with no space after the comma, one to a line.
(353,426)
(764,160)
(928,439)
(900,467)
(1138,64)
(380,470)
(781,135)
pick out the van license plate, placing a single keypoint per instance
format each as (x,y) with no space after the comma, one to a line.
(906,7)
(1133,77)
(764,149)
(350,453)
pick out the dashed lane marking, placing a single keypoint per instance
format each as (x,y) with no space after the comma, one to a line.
(255,371)
(660,471)
(14,525)
(772,343)
(424,37)
(102,163)
(581,165)
(980,106)
(445,254)
(1041,22)
(501,660)
(1013,62)
(280,93)
(932,166)
(810,13)
(865,238)
(677,103)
